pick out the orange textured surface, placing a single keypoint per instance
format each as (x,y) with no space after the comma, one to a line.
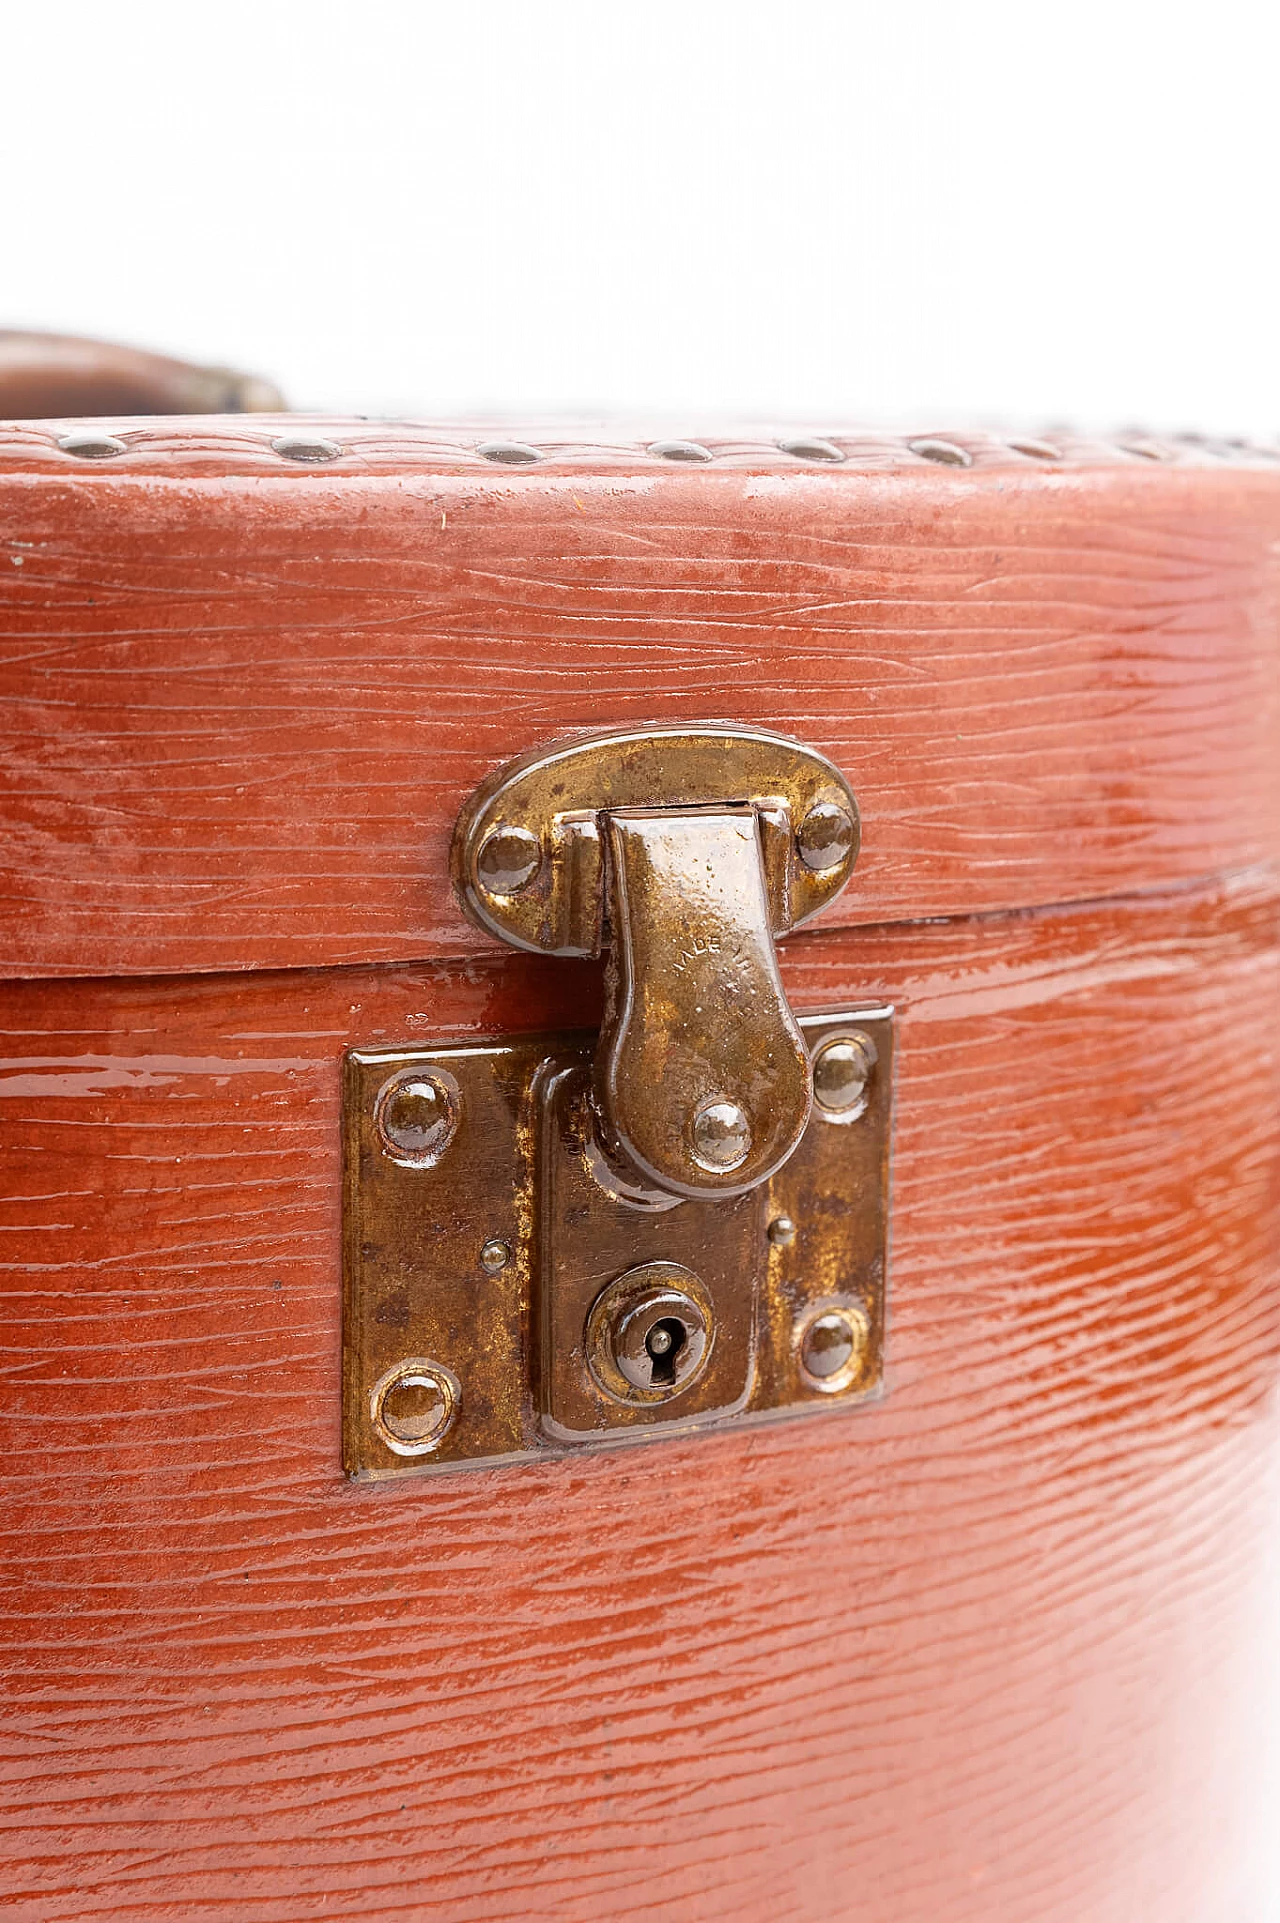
(244,699)
(974,1654)
(999,1649)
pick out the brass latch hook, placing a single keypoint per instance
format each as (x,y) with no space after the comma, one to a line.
(685,852)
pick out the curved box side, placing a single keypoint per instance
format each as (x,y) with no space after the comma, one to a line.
(1000,1645)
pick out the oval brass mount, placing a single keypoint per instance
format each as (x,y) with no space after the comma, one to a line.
(685,851)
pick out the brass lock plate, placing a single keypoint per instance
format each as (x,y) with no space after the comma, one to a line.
(510,1293)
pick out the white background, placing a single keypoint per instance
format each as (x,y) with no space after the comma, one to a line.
(918,210)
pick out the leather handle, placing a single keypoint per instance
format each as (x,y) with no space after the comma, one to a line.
(55,376)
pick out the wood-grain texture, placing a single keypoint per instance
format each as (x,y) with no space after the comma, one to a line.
(1001,1649)
(244,697)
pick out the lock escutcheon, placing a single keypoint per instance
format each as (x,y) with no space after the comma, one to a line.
(650,1333)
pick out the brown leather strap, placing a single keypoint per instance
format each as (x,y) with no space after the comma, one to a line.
(44,376)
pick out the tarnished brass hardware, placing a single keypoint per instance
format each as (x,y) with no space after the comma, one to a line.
(413,1406)
(686,852)
(508,860)
(506,1298)
(702,1075)
(588,1236)
(650,1333)
(842,1072)
(827,839)
(832,1344)
(416,1115)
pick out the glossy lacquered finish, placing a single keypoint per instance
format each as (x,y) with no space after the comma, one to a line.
(974,1652)
(247,695)
(999,1647)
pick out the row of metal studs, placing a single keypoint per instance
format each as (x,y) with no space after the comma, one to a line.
(92,446)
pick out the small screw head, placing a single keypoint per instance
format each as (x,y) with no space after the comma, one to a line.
(842,1072)
(827,838)
(416,1116)
(508,860)
(92,445)
(811,448)
(721,1136)
(415,1406)
(833,1346)
(494,1256)
(782,1231)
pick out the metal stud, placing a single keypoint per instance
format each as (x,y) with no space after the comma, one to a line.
(827,838)
(945,452)
(680,451)
(415,1406)
(721,1136)
(306,447)
(842,1072)
(91,445)
(833,1346)
(812,450)
(508,860)
(509,453)
(416,1116)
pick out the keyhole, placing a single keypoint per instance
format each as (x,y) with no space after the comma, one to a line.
(664,1342)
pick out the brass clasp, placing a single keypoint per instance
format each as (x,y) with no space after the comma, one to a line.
(685,852)
(562,1240)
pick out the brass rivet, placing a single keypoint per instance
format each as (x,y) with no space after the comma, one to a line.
(721,1136)
(416,1115)
(833,1346)
(494,1256)
(944,451)
(415,1407)
(842,1070)
(306,447)
(811,450)
(680,451)
(782,1231)
(827,838)
(509,859)
(91,446)
(509,453)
